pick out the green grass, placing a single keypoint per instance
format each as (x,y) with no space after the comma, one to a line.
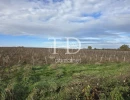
(108,81)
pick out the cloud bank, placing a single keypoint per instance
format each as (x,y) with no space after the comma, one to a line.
(107,20)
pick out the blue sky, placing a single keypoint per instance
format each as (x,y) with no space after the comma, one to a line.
(28,41)
(29,23)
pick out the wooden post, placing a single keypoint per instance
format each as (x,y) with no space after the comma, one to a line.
(101,59)
(90,58)
(117,58)
(96,57)
(46,60)
(109,58)
(124,59)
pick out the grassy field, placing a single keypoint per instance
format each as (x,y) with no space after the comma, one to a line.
(108,81)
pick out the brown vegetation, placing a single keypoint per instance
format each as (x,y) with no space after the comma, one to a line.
(39,56)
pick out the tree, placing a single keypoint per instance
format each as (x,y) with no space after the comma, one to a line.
(124,47)
(89,47)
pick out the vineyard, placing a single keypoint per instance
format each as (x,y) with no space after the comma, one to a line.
(41,56)
(38,74)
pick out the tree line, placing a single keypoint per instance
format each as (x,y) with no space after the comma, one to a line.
(122,47)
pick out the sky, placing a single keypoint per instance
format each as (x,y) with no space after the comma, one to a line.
(99,23)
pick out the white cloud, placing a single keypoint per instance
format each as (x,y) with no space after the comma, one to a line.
(67,18)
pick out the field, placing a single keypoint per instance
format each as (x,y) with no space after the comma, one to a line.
(40,56)
(108,81)
(33,74)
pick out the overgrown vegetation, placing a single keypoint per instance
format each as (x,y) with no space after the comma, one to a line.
(66,82)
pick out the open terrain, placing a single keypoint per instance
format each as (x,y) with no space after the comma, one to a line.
(107,81)
(37,74)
